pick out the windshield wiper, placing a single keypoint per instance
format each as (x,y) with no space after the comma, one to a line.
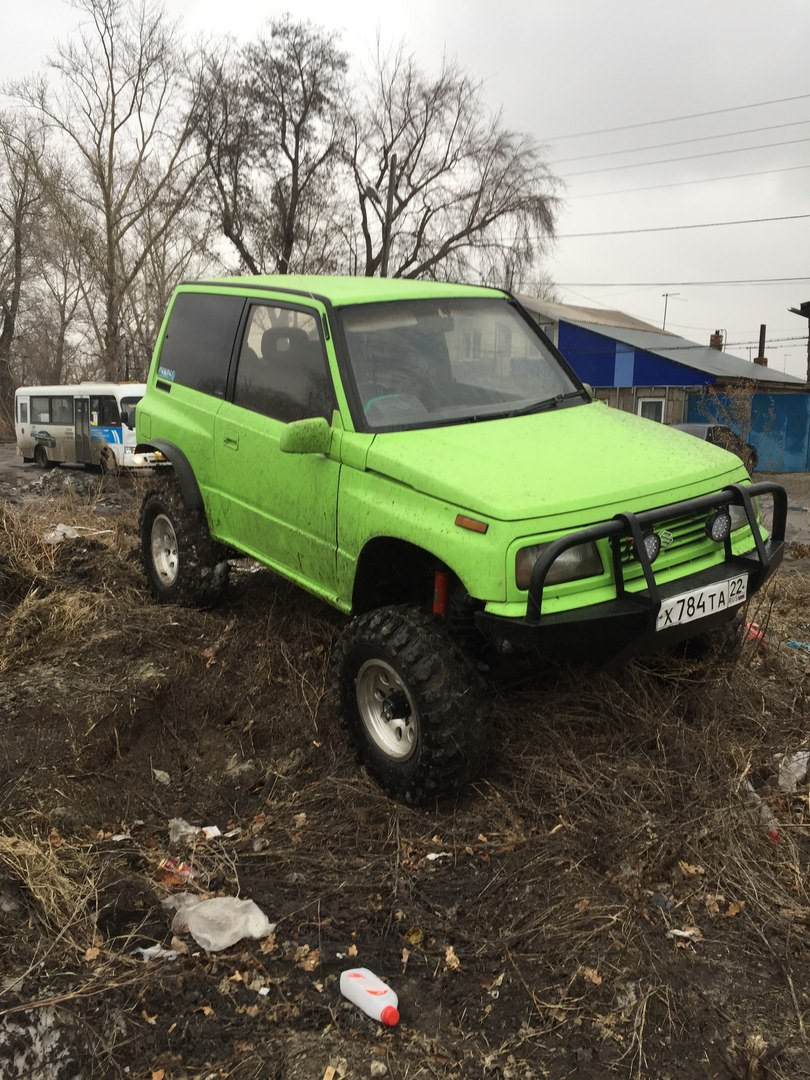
(546,403)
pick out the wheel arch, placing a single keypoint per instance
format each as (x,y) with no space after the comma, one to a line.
(394,571)
(192,496)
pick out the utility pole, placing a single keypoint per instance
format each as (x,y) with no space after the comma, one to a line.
(666,297)
(804,311)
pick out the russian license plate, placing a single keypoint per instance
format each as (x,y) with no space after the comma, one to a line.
(698,603)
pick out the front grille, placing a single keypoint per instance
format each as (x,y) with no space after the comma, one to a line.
(687,533)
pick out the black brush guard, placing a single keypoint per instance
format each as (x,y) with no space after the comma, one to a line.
(627,624)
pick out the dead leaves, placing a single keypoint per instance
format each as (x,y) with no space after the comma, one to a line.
(307,958)
(687,935)
(451,961)
(716,904)
(689,870)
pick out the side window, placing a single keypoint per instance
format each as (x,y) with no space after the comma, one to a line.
(104,411)
(40,410)
(61,410)
(199,339)
(282,369)
(22,409)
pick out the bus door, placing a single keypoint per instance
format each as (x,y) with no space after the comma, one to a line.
(81,422)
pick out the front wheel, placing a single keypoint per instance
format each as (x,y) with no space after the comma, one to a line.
(183,564)
(41,457)
(411,703)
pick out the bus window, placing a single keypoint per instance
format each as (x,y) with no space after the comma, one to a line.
(128,407)
(40,410)
(22,408)
(104,411)
(61,410)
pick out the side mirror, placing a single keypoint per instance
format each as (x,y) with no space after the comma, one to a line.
(313,436)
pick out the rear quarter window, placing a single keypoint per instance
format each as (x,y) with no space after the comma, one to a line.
(199,339)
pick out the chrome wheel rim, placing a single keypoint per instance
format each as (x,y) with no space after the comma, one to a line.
(164,550)
(387,710)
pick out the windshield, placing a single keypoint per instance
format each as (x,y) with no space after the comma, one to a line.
(416,363)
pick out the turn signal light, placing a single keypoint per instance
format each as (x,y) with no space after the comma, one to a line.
(473,524)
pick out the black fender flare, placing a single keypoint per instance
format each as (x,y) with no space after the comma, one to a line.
(182,468)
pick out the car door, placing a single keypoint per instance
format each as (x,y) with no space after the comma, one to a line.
(280,507)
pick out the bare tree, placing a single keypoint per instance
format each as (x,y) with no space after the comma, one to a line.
(119,107)
(185,252)
(471,198)
(271,128)
(55,333)
(20,198)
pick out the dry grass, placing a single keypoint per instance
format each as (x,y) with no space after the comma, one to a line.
(613,813)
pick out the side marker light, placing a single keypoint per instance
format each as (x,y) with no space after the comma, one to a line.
(471,523)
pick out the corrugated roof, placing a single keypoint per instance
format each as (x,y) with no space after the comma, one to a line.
(551,312)
(618,326)
(690,354)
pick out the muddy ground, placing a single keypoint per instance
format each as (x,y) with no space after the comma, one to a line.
(605,901)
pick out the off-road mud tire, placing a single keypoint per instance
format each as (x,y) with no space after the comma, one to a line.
(200,567)
(443,687)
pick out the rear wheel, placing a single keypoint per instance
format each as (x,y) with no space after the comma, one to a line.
(411,703)
(183,564)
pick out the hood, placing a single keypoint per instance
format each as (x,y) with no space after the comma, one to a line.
(569,459)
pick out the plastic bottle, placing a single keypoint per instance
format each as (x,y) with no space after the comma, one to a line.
(364,989)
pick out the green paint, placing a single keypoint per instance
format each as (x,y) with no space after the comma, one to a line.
(307,496)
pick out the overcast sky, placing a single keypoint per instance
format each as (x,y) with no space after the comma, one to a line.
(560,70)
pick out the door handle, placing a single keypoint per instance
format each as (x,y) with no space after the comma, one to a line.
(231,441)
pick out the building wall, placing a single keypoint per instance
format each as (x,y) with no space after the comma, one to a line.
(779,425)
(601,361)
(673,399)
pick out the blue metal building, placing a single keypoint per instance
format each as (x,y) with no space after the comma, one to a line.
(662,376)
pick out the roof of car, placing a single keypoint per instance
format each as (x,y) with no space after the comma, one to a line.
(351,290)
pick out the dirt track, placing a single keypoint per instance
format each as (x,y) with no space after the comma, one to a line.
(604,901)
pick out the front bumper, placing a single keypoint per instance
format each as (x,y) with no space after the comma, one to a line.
(627,624)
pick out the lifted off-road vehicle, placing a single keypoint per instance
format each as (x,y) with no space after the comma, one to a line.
(420,456)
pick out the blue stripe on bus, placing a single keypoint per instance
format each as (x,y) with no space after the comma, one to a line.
(106,434)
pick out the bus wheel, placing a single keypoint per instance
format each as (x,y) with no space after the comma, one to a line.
(183,564)
(40,457)
(107,463)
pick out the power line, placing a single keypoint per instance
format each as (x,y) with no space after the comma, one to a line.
(658,284)
(686,157)
(680,142)
(678,228)
(684,183)
(768,341)
(673,119)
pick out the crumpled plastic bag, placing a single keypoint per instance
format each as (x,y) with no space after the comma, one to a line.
(793,770)
(59,533)
(220,922)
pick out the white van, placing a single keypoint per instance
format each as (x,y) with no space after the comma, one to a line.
(89,423)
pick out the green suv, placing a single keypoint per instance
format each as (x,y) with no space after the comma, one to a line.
(420,456)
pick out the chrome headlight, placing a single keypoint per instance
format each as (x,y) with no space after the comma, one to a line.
(578,562)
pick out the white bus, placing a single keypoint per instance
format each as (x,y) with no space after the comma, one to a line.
(84,424)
